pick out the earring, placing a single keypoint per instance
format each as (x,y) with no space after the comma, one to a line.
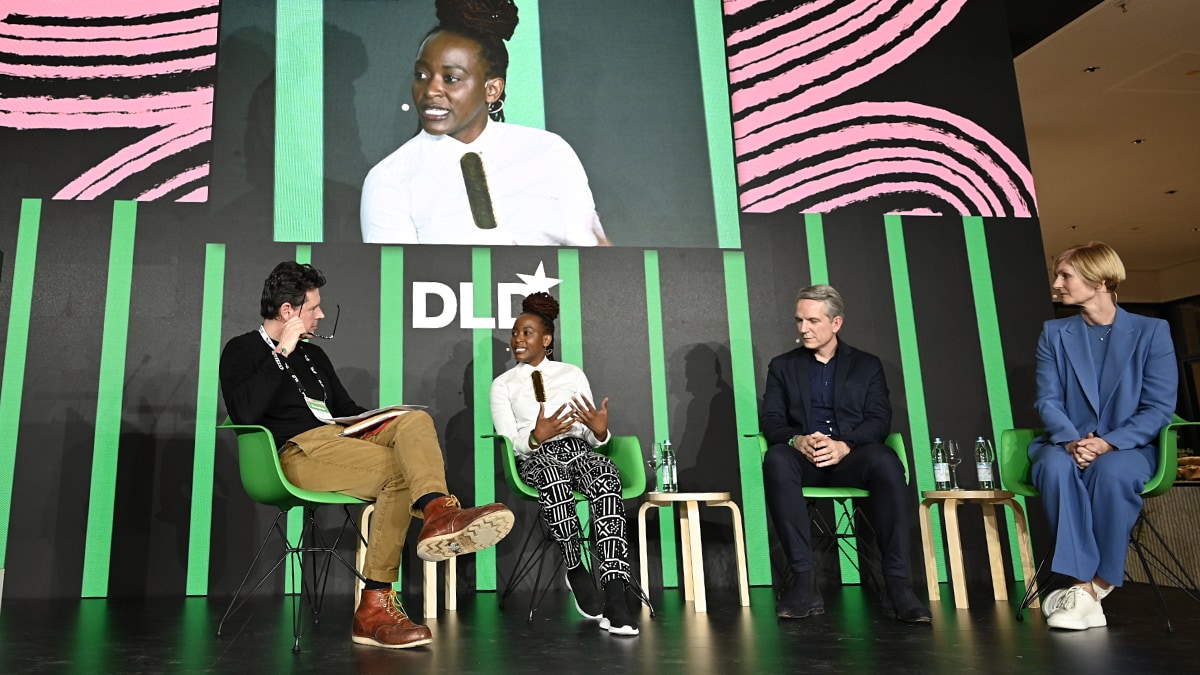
(496,106)
(549,351)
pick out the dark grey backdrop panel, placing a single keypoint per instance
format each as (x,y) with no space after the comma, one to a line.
(622,86)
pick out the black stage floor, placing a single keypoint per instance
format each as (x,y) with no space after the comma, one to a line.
(177,636)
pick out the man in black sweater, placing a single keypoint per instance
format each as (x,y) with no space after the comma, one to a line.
(272,378)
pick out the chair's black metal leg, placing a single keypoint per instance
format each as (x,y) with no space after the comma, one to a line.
(1162,603)
(1183,580)
(525,564)
(234,605)
(1033,586)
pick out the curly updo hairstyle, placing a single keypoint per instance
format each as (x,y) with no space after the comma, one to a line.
(545,307)
(489,23)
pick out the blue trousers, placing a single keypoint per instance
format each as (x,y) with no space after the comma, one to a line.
(1092,512)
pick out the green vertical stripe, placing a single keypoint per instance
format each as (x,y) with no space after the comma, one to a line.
(391,336)
(525,102)
(710,42)
(569,348)
(295,517)
(391,325)
(745,400)
(914,383)
(485,448)
(109,398)
(994,373)
(818,265)
(207,384)
(299,120)
(569,344)
(658,399)
(15,349)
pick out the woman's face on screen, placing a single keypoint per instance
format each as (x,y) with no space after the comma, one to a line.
(529,339)
(450,88)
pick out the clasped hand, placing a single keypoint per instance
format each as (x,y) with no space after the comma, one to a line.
(578,409)
(821,450)
(1085,450)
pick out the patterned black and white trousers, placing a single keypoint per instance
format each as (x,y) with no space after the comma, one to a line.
(566,464)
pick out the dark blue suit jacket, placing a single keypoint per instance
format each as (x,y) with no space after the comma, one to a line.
(1133,400)
(860,397)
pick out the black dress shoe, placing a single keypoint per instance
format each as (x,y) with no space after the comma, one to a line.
(904,604)
(800,600)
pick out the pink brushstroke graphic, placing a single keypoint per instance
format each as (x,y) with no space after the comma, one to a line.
(159,60)
(786,65)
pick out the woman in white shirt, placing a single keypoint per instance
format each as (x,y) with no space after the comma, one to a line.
(545,408)
(531,189)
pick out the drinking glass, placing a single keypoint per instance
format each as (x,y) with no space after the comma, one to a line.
(953,458)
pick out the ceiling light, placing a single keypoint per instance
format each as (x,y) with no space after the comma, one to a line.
(1091,69)
(1138,141)
(1171,192)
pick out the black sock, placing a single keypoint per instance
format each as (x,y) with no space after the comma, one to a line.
(425,499)
(372,585)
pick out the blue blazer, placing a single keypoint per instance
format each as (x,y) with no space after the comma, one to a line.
(860,397)
(1133,400)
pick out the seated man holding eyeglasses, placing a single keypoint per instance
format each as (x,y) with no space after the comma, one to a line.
(270,377)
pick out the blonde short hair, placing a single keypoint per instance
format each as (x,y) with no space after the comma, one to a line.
(1096,263)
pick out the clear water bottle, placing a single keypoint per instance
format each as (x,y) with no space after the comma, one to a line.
(941,466)
(669,481)
(984,456)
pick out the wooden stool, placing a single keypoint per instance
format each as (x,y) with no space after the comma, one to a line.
(689,534)
(988,499)
(429,569)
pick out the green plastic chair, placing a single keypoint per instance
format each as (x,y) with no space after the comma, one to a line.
(264,481)
(1016,476)
(842,496)
(624,451)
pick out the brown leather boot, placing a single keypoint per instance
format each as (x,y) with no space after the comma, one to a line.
(451,530)
(380,621)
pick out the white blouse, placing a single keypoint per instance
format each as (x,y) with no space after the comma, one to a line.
(515,408)
(539,192)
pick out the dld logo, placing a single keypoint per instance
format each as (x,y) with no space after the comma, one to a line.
(462,303)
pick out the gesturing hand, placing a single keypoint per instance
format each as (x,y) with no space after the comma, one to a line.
(594,418)
(548,427)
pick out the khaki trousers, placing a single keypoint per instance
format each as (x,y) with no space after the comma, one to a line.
(393,467)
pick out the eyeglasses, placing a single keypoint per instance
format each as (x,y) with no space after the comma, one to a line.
(335,322)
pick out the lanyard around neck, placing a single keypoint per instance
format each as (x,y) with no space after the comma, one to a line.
(262,331)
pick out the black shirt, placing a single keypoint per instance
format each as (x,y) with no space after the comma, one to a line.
(821,416)
(256,391)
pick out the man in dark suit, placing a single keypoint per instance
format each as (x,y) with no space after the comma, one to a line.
(825,414)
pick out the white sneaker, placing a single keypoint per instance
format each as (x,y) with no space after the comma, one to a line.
(1051,600)
(1102,593)
(1075,609)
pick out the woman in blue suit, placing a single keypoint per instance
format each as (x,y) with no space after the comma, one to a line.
(1107,383)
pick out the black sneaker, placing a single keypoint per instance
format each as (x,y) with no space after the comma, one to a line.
(583,588)
(801,599)
(617,620)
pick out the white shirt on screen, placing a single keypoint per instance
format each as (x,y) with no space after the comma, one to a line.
(539,192)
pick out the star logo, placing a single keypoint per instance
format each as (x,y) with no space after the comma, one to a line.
(538,281)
